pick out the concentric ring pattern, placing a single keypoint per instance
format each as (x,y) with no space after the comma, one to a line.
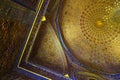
(100,22)
(91,31)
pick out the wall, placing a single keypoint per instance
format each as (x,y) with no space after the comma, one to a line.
(15,22)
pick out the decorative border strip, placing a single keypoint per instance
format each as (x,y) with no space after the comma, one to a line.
(17,66)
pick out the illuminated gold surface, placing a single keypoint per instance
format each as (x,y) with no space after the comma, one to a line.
(49,52)
(43,18)
(66,75)
(99,24)
(98,48)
